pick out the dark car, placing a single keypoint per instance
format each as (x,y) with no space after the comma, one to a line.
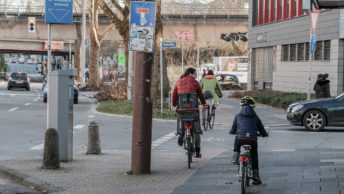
(228,81)
(19,80)
(316,114)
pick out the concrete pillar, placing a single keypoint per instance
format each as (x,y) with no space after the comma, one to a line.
(51,159)
(93,146)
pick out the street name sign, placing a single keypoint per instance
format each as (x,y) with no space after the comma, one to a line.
(313,43)
(142,26)
(59,11)
(169,44)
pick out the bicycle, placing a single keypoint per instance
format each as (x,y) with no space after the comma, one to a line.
(208,119)
(245,167)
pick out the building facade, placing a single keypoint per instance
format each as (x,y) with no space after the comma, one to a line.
(279,34)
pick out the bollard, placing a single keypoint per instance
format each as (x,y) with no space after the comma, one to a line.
(51,158)
(93,146)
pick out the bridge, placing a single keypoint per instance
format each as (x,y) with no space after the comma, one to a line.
(187,23)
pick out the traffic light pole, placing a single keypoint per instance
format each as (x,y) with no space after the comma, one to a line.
(48,75)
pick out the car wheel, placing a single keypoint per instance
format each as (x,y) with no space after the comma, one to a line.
(45,99)
(8,88)
(28,89)
(236,88)
(314,120)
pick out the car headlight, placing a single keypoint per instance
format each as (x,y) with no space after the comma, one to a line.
(297,107)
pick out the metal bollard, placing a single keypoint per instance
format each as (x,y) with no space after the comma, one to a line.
(51,158)
(93,145)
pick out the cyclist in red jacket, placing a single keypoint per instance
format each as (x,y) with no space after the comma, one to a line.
(188,84)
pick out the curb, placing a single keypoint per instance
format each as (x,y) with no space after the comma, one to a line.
(26,180)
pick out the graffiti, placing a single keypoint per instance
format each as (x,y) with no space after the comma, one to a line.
(183,35)
(235,36)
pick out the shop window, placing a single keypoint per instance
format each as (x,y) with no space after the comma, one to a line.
(307,51)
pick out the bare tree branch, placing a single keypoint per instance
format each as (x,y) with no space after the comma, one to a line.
(115,3)
(107,30)
(109,12)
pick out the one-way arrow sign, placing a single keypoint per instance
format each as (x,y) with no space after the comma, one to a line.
(59,11)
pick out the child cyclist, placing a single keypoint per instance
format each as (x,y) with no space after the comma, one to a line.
(246,126)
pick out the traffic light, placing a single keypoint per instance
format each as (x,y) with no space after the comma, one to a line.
(32,24)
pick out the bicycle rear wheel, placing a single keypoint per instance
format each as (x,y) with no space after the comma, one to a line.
(205,119)
(211,121)
(189,148)
(243,179)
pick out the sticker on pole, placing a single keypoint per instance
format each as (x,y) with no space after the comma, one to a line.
(313,43)
(142,26)
(314,19)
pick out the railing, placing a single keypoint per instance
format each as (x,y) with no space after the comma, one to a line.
(167,9)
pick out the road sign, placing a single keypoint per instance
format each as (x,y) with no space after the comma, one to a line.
(169,44)
(59,11)
(314,19)
(313,43)
(142,26)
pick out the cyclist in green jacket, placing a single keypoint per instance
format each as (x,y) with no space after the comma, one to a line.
(210,83)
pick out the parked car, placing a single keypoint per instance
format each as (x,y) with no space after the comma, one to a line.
(18,79)
(75,93)
(228,81)
(316,114)
(21,60)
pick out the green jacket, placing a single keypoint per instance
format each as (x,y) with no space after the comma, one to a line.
(210,83)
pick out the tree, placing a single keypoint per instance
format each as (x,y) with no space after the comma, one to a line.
(120,18)
(96,39)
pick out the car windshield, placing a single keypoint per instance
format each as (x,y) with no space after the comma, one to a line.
(340,96)
(18,76)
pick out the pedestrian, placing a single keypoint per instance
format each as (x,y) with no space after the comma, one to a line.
(324,86)
(317,86)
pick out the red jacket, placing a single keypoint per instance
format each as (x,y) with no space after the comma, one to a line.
(187,84)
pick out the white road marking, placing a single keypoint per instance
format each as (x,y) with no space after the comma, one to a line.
(78,126)
(284,150)
(336,161)
(90,116)
(13,109)
(38,147)
(162,140)
(27,104)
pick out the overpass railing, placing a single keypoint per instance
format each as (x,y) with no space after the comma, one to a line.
(166,9)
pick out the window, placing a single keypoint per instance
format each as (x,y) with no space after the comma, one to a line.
(285,52)
(318,54)
(327,49)
(301,51)
(292,52)
(307,51)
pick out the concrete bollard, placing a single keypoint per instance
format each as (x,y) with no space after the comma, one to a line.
(93,146)
(51,158)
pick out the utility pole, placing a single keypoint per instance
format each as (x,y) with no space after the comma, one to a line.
(83,46)
(161,81)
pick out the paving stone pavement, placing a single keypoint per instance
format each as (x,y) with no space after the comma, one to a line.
(107,173)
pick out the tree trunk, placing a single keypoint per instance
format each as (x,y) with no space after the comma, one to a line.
(77,52)
(94,78)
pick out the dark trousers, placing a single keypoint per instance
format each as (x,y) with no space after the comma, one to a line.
(254,150)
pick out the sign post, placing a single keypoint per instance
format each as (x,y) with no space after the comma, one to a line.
(312,46)
(141,39)
(57,12)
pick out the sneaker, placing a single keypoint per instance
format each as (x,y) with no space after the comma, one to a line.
(235,158)
(198,155)
(256,178)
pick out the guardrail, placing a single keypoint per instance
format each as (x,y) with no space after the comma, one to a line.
(167,9)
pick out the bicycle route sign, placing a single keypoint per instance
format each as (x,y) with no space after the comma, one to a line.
(59,11)
(142,26)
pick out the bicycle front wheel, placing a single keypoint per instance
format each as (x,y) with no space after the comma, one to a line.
(189,149)
(205,119)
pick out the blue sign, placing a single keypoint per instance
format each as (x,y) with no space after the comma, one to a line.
(142,26)
(169,44)
(313,43)
(59,11)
